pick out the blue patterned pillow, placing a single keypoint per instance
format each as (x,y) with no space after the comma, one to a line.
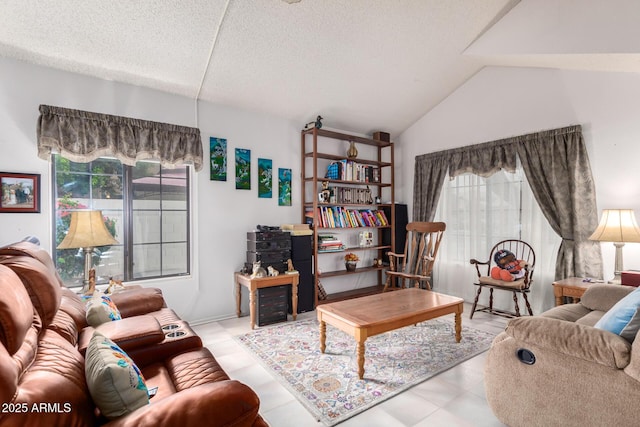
(624,317)
(115,382)
(101,309)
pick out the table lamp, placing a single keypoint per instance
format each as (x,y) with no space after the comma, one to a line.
(617,226)
(87,231)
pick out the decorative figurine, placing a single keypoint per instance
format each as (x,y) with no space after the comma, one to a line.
(258,271)
(113,284)
(290,269)
(325,194)
(317,124)
(272,271)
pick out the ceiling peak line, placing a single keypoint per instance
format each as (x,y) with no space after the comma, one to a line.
(214,42)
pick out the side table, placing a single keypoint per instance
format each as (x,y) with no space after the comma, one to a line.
(573,287)
(264,282)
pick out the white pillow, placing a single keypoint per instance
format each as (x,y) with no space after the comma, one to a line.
(101,309)
(115,382)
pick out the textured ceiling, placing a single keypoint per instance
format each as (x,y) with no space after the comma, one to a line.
(364,65)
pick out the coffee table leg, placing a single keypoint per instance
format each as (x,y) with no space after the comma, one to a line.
(458,327)
(323,336)
(360,355)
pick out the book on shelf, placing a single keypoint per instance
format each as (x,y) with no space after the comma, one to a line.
(294,227)
(349,170)
(341,217)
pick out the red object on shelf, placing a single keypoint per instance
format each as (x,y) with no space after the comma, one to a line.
(631,278)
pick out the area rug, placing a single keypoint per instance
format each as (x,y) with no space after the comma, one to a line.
(328,385)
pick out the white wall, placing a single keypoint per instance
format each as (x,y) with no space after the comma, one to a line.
(500,102)
(221,216)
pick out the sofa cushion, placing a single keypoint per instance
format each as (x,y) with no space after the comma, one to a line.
(624,317)
(101,309)
(41,285)
(516,284)
(115,382)
(127,333)
(16,310)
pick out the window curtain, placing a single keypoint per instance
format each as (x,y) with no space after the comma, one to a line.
(480,212)
(430,170)
(82,136)
(557,169)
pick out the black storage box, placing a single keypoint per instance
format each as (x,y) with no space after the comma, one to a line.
(272,305)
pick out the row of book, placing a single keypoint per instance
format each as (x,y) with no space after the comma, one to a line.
(348,170)
(353,195)
(339,217)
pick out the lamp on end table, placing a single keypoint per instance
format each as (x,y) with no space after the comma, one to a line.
(87,231)
(617,226)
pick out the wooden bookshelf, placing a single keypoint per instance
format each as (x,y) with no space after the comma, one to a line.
(314,168)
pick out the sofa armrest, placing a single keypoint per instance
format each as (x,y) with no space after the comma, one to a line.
(222,403)
(128,333)
(572,339)
(134,302)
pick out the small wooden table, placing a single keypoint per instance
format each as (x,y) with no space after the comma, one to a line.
(374,314)
(572,287)
(265,282)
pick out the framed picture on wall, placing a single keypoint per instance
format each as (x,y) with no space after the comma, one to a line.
(20,192)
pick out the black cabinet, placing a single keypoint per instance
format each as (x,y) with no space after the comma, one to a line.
(301,256)
(272,304)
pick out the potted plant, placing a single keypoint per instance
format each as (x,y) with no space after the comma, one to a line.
(351,261)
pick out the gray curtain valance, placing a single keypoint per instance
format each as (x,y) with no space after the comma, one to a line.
(483,159)
(83,136)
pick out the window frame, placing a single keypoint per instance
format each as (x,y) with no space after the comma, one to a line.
(127,239)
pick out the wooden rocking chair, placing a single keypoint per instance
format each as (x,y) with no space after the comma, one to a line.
(522,251)
(420,250)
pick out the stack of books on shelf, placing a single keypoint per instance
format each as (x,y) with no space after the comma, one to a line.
(340,217)
(353,195)
(329,243)
(297,229)
(348,170)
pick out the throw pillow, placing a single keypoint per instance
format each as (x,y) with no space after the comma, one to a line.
(101,309)
(624,317)
(115,382)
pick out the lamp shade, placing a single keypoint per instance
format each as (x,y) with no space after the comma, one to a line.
(87,230)
(617,225)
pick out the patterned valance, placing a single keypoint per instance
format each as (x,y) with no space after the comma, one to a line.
(83,136)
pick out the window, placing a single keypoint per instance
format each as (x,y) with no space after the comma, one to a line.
(480,212)
(145,207)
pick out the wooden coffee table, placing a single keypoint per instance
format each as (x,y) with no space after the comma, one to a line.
(374,314)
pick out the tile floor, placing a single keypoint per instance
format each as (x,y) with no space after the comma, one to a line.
(453,398)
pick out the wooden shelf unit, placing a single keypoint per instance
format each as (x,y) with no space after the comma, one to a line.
(313,177)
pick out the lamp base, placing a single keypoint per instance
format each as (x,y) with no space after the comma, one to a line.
(89,282)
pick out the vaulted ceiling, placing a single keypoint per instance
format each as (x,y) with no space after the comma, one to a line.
(363,64)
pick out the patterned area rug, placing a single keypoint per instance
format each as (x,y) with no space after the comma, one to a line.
(328,385)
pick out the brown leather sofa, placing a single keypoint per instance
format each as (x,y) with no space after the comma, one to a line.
(43,332)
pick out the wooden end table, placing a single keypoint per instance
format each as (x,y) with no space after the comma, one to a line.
(572,287)
(264,282)
(374,314)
